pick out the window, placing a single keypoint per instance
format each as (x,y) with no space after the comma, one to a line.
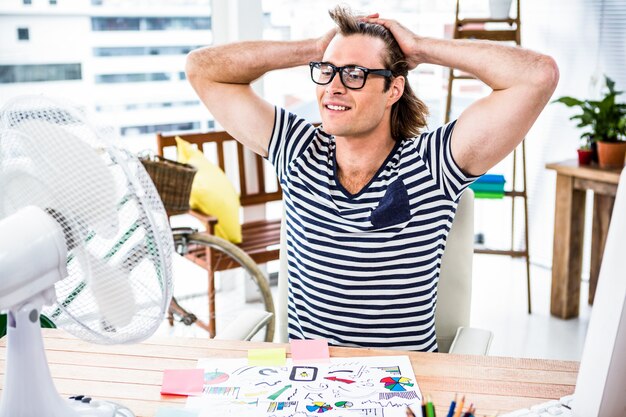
(38,73)
(27,2)
(150,23)
(115,23)
(53,2)
(143,50)
(132,78)
(143,106)
(23,34)
(142,130)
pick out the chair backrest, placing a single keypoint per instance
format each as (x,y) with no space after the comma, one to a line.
(454,292)
(221,140)
(455,279)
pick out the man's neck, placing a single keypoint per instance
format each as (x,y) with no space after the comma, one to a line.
(359,158)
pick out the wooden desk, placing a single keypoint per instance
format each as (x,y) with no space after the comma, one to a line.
(572,182)
(132,374)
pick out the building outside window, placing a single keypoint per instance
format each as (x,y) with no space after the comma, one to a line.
(128,54)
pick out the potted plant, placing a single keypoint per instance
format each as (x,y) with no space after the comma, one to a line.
(604,121)
(585,152)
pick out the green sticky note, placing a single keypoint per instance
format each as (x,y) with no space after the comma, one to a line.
(267,357)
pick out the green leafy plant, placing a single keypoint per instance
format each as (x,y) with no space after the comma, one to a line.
(603,120)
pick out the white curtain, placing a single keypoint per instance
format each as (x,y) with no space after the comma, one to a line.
(588,39)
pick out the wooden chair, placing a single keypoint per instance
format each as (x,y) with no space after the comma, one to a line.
(260,238)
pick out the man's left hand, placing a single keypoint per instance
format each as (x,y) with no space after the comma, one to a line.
(407,40)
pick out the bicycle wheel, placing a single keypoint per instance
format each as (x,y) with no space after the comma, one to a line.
(224,306)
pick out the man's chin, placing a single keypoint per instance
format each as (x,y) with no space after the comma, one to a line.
(332,129)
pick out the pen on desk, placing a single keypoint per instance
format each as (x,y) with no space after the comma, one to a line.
(430,408)
(409,412)
(459,409)
(469,412)
(452,406)
(424,406)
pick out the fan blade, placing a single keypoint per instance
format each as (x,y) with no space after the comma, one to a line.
(112,291)
(76,175)
(14,181)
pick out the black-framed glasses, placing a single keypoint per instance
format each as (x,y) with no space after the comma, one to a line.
(352,76)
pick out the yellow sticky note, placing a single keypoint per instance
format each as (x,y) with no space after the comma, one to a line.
(267,357)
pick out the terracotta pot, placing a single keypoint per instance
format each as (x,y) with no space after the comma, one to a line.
(585,156)
(611,154)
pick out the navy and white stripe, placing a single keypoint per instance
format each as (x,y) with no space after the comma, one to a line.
(363,269)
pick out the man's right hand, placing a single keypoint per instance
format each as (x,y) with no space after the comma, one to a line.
(323,41)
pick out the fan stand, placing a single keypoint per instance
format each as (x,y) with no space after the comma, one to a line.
(28,388)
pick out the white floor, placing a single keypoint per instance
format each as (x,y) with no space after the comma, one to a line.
(498,304)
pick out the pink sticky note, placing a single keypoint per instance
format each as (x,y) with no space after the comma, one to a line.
(309,350)
(182,381)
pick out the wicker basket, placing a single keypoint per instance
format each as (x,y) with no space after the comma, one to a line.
(173,181)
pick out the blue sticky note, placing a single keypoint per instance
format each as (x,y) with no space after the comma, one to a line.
(175,412)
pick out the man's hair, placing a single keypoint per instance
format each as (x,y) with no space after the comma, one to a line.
(408,115)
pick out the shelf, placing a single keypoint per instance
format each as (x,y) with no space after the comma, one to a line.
(463,77)
(475,20)
(474,28)
(489,35)
(511,253)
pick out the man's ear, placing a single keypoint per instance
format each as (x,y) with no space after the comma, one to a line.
(396,90)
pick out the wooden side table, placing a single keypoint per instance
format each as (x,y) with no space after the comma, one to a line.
(572,182)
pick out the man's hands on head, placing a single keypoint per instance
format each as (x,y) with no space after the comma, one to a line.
(408,41)
(323,41)
(522,83)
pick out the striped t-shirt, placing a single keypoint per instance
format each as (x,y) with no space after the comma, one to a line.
(363,269)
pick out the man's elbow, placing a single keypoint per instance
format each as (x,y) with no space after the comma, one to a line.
(547,74)
(192,66)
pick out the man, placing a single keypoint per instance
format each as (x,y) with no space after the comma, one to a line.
(369,200)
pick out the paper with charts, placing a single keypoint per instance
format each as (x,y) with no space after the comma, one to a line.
(351,387)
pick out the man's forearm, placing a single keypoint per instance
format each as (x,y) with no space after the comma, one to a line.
(498,66)
(244,62)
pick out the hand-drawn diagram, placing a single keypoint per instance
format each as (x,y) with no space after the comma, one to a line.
(347,387)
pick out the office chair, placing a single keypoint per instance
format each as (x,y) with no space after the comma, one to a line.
(454,291)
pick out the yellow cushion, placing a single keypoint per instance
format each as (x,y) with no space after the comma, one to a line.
(212,193)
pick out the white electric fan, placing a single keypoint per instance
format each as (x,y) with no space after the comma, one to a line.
(84,239)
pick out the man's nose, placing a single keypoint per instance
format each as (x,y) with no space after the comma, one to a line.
(335,86)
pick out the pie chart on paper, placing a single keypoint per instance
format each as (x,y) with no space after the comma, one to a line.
(396,383)
(215,377)
(319,407)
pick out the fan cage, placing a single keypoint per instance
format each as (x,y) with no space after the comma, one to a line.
(119,241)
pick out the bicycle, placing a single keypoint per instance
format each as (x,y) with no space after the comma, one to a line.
(227,256)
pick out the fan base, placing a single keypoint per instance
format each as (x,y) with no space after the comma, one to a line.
(99,409)
(28,388)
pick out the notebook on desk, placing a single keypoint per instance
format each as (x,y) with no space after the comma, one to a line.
(601,383)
